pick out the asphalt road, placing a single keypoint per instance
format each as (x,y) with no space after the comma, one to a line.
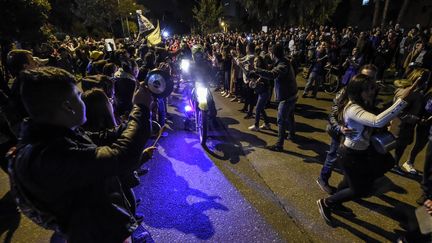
(237,191)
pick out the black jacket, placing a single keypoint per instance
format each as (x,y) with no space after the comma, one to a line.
(284,77)
(65,173)
(334,126)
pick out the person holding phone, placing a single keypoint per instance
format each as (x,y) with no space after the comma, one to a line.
(73,182)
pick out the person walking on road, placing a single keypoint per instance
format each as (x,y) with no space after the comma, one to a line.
(358,159)
(285,91)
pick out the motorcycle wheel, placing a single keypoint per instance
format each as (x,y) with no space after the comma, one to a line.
(202,126)
(331,83)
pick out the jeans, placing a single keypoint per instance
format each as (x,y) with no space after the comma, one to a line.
(161,111)
(314,78)
(422,134)
(250,99)
(285,119)
(427,173)
(330,160)
(227,80)
(260,108)
(357,181)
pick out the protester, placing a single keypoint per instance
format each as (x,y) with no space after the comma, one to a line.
(358,158)
(286,94)
(337,130)
(77,181)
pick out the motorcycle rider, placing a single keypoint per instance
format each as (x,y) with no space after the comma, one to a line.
(200,70)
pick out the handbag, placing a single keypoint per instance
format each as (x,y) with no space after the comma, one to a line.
(383,142)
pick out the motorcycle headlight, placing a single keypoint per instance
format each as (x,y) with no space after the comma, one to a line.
(184,65)
(201,93)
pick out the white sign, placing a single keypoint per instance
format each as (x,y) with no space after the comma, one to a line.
(110,45)
(265,29)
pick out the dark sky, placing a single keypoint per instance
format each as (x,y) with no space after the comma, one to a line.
(173,14)
(181,9)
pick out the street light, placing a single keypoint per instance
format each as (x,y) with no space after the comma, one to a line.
(224,26)
(165,34)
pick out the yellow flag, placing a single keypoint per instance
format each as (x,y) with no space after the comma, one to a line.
(154,37)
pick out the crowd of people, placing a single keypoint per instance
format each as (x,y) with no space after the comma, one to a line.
(82,102)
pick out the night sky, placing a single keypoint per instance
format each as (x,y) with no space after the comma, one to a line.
(176,14)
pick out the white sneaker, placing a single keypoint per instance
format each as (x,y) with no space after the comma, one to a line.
(253,128)
(265,126)
(409,168)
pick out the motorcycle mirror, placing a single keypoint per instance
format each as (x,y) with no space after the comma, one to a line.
(159,83)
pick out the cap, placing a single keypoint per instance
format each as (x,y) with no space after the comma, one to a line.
(94,55)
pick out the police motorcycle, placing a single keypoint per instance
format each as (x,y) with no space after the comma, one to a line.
(200,106)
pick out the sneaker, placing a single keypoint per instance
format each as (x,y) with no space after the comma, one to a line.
(254,128)
(223,93)
(398,170)
(265,126)
(290,136)
(233,99)
(304,95)
(409,168)
(248,116)
(239,100)
(342,210)
(325,211)
(275,147)
(324,186)
(243,110)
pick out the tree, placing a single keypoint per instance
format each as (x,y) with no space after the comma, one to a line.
(376,13)
(23,19)
(300,12)
(60,15)
(207,15)
(385,11)
(101,14)
(402,11)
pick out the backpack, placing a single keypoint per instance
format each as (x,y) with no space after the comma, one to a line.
(24,200)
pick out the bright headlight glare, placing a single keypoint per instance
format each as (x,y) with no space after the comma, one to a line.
(184,65)
(201,93)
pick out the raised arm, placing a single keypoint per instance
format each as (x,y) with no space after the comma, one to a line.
(358,114)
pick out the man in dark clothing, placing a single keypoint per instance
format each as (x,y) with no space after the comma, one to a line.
(286,94)
(63,172)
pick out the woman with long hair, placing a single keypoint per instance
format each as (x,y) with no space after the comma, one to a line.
(357,157)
